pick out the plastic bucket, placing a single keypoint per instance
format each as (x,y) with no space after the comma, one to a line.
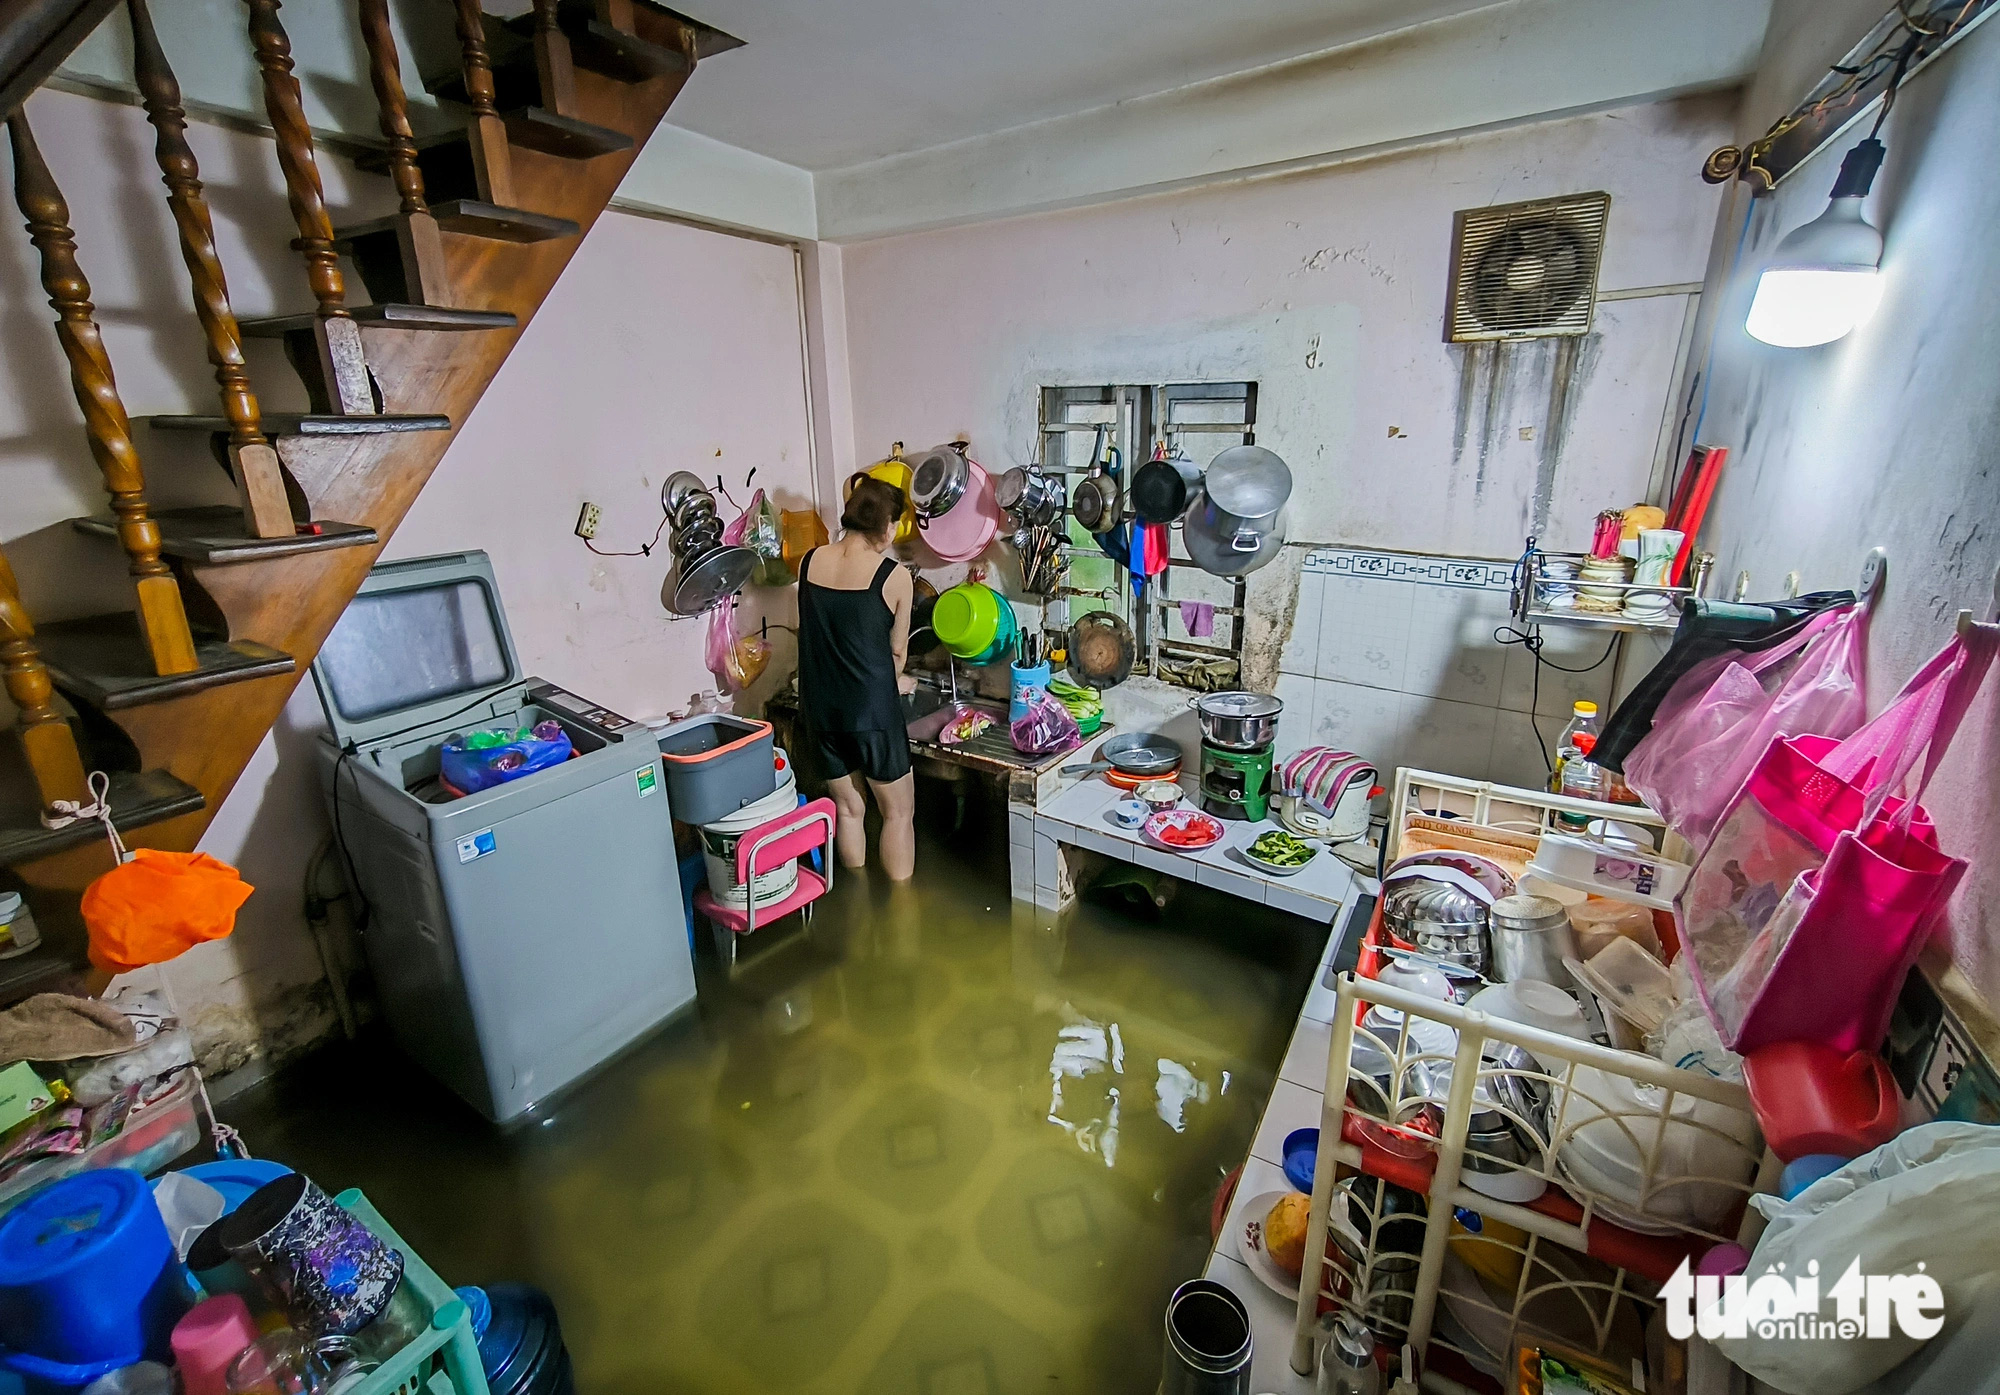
(88,1275)
(718,852)
(967,618)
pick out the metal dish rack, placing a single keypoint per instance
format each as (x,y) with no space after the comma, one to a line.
(1666,1163)
(1538,596)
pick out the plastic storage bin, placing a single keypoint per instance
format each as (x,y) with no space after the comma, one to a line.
(152,1137)
(716,764)
(445,1359)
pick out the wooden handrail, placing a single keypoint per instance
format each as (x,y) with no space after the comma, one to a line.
(555,70)
(45,735)
(426,275)
(161,617)
(492,161)
(260,480)
(343,369)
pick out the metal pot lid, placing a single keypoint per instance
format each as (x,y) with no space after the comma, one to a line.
(1238,704)
(689,590)
(938,479)
(1011,488)
(1248,481)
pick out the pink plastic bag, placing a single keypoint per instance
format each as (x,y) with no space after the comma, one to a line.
(1719,719)
(1814,898)
(1045,727)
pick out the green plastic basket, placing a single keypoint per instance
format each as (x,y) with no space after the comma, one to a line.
(445,1359)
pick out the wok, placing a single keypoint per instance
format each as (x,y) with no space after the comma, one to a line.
(1135,753)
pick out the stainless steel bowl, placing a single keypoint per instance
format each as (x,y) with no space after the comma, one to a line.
(1440,919)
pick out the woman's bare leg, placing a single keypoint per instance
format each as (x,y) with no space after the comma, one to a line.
(850,831)
(898,802)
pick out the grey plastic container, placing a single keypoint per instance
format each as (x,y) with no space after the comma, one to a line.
(715,765)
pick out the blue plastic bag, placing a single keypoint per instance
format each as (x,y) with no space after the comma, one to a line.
(466,768)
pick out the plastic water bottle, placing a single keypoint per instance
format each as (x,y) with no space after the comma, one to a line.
(1582,722)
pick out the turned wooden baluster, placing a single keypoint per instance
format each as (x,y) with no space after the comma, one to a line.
(492,161)
(260,481)
(343,370)
(426,278)
(45,735)
(162,621)
(554,67)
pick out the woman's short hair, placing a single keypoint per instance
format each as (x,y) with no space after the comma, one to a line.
(874,507)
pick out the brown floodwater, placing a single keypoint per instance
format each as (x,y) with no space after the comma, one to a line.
(940,1143)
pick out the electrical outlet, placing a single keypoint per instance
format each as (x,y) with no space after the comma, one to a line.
(587,521)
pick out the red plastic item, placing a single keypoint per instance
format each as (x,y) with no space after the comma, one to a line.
(1812,1098)
(769,846)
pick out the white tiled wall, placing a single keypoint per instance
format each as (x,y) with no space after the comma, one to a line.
(1393,656)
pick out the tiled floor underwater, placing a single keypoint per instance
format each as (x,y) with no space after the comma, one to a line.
(944,1146)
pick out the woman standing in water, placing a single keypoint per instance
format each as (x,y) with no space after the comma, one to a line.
(854,632)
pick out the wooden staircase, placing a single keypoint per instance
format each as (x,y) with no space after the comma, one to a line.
(231,604)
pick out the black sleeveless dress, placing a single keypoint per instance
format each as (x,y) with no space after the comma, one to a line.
(847,677)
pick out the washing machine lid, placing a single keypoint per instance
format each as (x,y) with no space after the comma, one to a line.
(423,641)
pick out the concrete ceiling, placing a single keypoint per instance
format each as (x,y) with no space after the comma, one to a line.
(825,84)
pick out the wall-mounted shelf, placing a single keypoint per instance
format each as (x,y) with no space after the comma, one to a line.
(1541,598)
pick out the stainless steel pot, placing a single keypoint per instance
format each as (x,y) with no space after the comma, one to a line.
(1030,496)
(1237,523)
(1531,936)
(1238,721)
(939,478)
(1208,1342)
(1094,502)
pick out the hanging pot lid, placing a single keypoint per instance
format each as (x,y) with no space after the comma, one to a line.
(699,582)
(938,478)
(1238,704)
(1248,481)
(1011,488)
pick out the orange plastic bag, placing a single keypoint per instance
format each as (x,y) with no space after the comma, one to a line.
(158,905)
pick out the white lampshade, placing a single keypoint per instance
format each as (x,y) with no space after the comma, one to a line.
(1825,278)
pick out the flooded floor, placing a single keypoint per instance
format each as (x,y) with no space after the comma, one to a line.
(942,1144)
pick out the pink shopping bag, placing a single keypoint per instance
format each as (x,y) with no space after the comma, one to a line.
(1815,896)
(1717,721)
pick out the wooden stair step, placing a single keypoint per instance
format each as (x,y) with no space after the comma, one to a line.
(390,316)
(147,797)
(477,219)
(101,660)
(534,128)
(215,535)
(708,41)
(595,45)
(311,423)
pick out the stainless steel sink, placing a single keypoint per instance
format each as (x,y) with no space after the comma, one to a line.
(921,703)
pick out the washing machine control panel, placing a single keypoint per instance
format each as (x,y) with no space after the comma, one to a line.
(602,720)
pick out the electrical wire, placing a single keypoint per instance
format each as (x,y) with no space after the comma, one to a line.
(645,550)
(1530,639)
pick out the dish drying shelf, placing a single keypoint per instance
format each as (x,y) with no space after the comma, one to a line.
(1538,597)
(1429,809)
(1556,1268)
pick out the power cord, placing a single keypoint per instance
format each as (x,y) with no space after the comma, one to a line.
(1531,640)
(645,549)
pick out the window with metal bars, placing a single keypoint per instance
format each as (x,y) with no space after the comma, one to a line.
(1097,427)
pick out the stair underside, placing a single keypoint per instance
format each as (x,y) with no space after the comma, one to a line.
(214,535)
(597,47)
(311,423)
(391,316)
(137,800)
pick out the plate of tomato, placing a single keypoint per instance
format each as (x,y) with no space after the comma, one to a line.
(1183,830)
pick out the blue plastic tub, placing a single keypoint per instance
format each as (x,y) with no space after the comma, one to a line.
(88,1279)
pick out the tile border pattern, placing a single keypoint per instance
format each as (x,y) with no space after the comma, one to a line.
(1466,573)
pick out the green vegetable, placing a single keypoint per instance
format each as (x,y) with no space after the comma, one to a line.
(1281,849)
(1082,703)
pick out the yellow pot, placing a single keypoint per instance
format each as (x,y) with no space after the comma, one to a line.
(896,471)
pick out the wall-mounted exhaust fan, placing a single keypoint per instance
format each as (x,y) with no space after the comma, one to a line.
(1525,270)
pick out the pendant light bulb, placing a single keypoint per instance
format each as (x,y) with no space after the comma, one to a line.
(1825,279)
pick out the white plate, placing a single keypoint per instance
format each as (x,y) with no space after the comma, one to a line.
(1250,1245)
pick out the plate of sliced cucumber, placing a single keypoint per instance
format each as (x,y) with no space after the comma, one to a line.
(1281,854)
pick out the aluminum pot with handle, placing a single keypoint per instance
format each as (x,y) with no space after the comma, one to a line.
(1238,721)
(1164,488)
(938,479)
(1237,523)
(1029,496)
